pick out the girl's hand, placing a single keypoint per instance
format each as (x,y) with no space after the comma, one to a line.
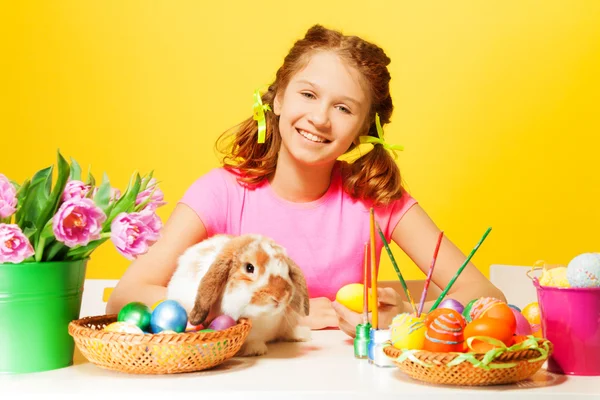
(322,315)
(390,305)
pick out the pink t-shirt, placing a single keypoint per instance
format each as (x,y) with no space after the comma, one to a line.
(325,237)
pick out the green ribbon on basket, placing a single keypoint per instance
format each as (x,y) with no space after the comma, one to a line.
(531,343)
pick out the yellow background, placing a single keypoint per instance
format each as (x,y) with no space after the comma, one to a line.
(497,103)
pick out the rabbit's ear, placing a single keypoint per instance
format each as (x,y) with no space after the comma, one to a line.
(212,285)
(300,300)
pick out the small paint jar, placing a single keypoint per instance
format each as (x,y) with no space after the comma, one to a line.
(361,340)
(378,339)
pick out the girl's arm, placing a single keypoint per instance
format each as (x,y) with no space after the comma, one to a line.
(417,235)
(147,277)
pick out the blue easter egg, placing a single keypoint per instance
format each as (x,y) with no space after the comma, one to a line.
(584,271)
(514,307)
(169,315)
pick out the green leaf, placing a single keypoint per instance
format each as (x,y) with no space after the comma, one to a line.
(56,250)
(50,205)
(102,197)
(81,252)
(90,178)
(29,210)
(127,202)
(145,180)
(22,192)
(75,170)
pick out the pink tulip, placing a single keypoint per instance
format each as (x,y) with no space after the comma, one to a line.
(156,198)
(78,222)
(134,233)
(75,190)
(8,197)
(14,246)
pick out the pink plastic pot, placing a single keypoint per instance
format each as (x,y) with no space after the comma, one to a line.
(571,321)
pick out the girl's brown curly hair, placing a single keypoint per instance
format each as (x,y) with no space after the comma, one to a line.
(373,177)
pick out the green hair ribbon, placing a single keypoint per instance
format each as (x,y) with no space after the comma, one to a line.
(259,115)
(379,140)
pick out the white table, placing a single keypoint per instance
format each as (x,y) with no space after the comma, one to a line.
(324,368)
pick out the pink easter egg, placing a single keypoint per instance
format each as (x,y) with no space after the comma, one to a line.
(222,322)
(523,326)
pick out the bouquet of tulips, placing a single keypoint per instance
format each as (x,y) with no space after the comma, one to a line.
(68,221)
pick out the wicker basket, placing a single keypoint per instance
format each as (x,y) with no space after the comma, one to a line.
(155,353)
(507,367)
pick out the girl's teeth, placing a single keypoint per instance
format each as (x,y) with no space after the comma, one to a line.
(311,137)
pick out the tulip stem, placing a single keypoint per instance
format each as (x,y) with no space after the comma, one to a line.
(39,251)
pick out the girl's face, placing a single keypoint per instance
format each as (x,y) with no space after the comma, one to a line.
(322,110)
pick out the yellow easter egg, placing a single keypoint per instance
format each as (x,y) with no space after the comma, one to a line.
(351,296)
(556,277)
(123,327)
(408,331)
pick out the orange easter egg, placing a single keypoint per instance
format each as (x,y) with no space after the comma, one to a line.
(481,305)
(444,311)
(445,334)
(490,327)
(502,312)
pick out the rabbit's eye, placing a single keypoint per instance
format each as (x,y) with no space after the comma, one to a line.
(249,268)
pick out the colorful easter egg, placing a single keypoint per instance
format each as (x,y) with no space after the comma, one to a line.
(169,315)
(445,334)
(221,323)
(453,304)
(489,327)
(352,297)
(523,328)
(429,318)
(514,307)
(155,304)
(556,277)
(533,315)
(467,311)
(408,331)
(502,312)
(167,332)
(481,306)
(136,313)
(583,271)
(193,328)
(123,327)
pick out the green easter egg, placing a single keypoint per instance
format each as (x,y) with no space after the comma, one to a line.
(467,311)
(207,330)
(136,313)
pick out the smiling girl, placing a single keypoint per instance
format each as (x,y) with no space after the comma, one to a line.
(282,177)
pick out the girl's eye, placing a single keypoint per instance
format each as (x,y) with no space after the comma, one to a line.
(308,95)
(249,268)
(344,110)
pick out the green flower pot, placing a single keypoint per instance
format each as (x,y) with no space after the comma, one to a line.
(37,302)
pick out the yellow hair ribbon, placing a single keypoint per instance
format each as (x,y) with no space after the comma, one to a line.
(259,115)
(370,139)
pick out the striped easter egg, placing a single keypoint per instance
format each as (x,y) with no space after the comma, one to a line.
(408,331)
(445,334)
(482,305)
